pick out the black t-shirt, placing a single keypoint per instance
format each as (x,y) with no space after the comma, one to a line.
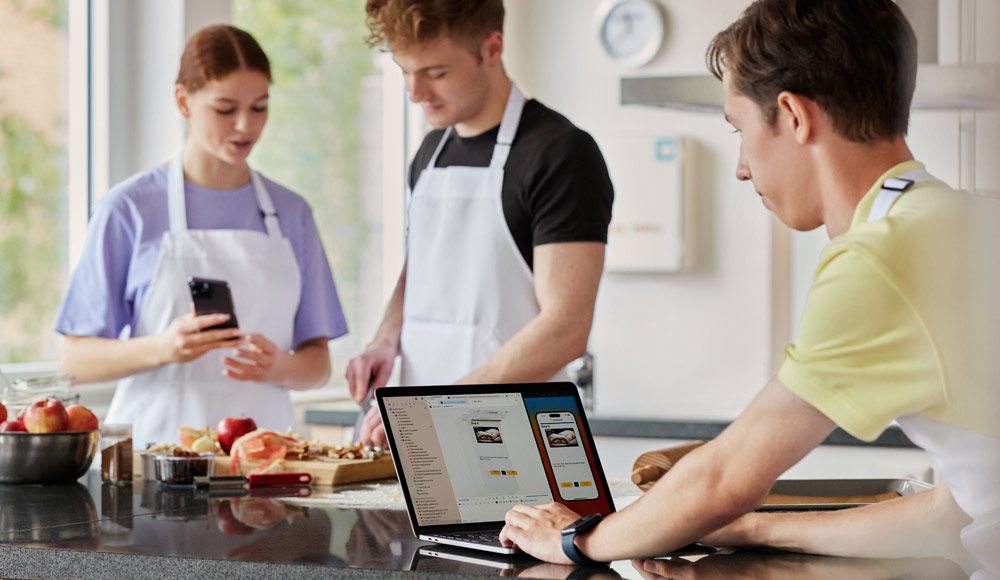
(556,186)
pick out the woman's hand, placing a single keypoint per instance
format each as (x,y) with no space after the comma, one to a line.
(186,339)
(256,359)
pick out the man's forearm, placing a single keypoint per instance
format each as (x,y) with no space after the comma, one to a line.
(698,495)
(536,353)
(566,280)
(717,482)
(924,524)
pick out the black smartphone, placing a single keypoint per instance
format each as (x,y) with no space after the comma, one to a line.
(213,297)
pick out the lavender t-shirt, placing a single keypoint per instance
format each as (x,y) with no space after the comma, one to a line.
(109,286)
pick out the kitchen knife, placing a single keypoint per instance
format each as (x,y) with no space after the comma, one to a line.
(253,480)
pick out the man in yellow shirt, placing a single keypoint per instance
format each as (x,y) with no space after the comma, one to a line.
(901,322)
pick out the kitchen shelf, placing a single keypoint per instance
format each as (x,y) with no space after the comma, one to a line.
(939,88)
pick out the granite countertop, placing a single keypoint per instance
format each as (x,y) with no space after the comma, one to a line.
(86,530)
(345,413)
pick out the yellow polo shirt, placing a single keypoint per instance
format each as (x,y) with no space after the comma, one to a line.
(903,316)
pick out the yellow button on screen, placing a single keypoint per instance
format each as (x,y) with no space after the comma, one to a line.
(494,472)
(566,484)
(586,484)
(511,473)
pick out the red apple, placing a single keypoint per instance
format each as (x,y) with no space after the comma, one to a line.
(80,418)
(231,429)
(12,426)
(3,413)
(47,416)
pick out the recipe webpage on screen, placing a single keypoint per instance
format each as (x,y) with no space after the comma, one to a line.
(490,454)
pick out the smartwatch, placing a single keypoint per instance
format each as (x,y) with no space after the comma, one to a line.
(569,533)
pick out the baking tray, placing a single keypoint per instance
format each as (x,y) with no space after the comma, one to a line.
(847,489)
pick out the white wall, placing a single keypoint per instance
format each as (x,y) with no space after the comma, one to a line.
(698,344)
(694,344)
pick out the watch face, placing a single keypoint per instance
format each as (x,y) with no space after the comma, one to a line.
(585,523)
(630,31)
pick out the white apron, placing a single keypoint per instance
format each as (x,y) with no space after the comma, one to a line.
(468,288)
(266,284)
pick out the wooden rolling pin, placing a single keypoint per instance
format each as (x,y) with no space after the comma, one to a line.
(650,466)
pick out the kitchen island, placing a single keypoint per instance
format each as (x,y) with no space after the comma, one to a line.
(86,530)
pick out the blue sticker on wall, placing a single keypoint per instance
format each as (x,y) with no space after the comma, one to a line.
(666,149)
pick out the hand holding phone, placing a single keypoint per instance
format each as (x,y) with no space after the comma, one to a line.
(213,297)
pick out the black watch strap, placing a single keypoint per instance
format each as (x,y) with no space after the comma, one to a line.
(570,549)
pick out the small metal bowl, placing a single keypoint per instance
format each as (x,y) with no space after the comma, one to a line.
(46,457)
(174,470)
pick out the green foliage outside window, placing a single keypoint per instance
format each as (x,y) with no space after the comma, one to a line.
(313,140)
(33,236)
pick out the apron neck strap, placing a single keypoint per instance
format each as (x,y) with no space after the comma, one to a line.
(437,151)
(505,136)
(175,193)
(177,204)
(508,126)
(892,188)
(266,205)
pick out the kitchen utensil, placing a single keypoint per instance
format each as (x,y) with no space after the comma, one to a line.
(253,480)
(148,466)
(650,466)
(826,494)
(46,457)
(366,404)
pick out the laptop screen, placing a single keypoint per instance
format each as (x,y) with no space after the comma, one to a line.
(467,456)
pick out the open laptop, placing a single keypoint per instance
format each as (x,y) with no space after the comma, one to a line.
(466,454)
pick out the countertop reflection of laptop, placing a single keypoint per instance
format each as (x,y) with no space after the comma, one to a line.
(466,454)
(455,560)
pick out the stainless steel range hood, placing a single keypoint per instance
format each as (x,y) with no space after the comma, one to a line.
(939,87)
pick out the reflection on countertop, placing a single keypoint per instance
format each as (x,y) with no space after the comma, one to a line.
(87,530)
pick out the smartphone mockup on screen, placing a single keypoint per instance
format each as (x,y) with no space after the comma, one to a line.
(213,297)
(567,456)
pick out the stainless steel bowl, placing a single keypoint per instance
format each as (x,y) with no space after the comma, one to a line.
(46,457)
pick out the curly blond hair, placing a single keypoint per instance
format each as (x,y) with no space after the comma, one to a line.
(400,24)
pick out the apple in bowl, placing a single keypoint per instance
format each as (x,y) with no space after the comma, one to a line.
(80,418)
(12,426)
(46,416)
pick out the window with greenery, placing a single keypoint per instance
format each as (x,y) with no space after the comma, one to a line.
(34,218)
(323,140)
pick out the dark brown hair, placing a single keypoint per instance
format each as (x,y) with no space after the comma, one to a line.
(399,24)
(856,58)
(215,51)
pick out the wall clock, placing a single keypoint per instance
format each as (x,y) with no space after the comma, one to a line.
(630,31)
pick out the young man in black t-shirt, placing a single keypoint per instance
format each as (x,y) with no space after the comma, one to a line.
(507,219)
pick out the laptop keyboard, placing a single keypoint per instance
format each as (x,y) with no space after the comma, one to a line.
(490,538)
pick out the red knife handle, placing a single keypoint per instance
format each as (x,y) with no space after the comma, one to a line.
(279,479)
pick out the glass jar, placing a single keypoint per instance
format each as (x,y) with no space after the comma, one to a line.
(116,454)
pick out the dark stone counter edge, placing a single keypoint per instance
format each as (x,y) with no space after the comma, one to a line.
(57,564)
(650,428)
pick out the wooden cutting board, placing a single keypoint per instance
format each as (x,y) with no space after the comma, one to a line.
(323,472)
